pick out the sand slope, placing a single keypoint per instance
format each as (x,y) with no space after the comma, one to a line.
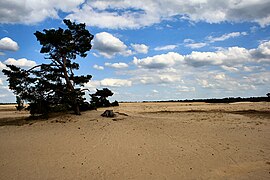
(145,141)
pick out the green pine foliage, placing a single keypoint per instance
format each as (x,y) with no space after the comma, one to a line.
(99,99)
(54,86)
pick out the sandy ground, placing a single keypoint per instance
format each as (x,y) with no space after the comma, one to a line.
(144,141)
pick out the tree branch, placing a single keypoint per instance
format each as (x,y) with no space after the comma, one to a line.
(34,68)
(40,66)
(85,89)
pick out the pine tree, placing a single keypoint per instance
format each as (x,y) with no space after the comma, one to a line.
(99,99)
(50,86)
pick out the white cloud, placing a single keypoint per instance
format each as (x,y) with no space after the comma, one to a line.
(185,89)
(166,48)
(23,62)
(197,59)
(92,85)
(196,45)
(222,82)
(105,19)
(155,91)
(6,94)
(233,71)
(8,44)
(262,53)
(124,14)
(188,41)
(135,14)
(232,58)
(220,76)
(140,48)
(119,65)
(96,55)
(228,57)
(204,83)
(98,67)
(107,82)
(2,66)
(164,78)
(226,36)
(256,79)
(32,11)
(115,82)
(230,69)
(210,39)
(159,61)
(109,46)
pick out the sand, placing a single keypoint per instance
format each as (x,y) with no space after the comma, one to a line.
(144,141)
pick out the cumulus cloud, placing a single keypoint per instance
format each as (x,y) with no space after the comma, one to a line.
(172,68)
(108,82)
(109,46)
(262,53)
(220,81)
(159,61)
(136,14)
(164,78)
(8,44)
(119,65)
(257,79)
(229,57)
(224,72)
(252,10)
(232,58)
(140,48)
(31,12)
(98,67)
(166,48)
(105,19)
(115,82)
(23,62)
(122,14)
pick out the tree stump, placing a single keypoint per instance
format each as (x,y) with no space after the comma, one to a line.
(108,113)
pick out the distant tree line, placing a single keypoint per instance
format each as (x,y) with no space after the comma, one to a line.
(223,100)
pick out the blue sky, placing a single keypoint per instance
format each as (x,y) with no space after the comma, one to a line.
(151,49)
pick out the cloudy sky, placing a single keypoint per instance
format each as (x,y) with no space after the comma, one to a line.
(151,49)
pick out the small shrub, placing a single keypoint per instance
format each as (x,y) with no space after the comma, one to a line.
(115,103)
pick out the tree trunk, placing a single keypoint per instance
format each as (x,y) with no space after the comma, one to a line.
(70,87)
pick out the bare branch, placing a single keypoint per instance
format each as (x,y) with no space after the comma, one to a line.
(34,68)
(85,89)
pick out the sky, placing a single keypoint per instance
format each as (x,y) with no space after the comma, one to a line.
(151,49)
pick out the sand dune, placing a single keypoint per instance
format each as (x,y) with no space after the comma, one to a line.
(144,141)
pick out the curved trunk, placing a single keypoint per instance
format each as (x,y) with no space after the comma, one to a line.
(70,87)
